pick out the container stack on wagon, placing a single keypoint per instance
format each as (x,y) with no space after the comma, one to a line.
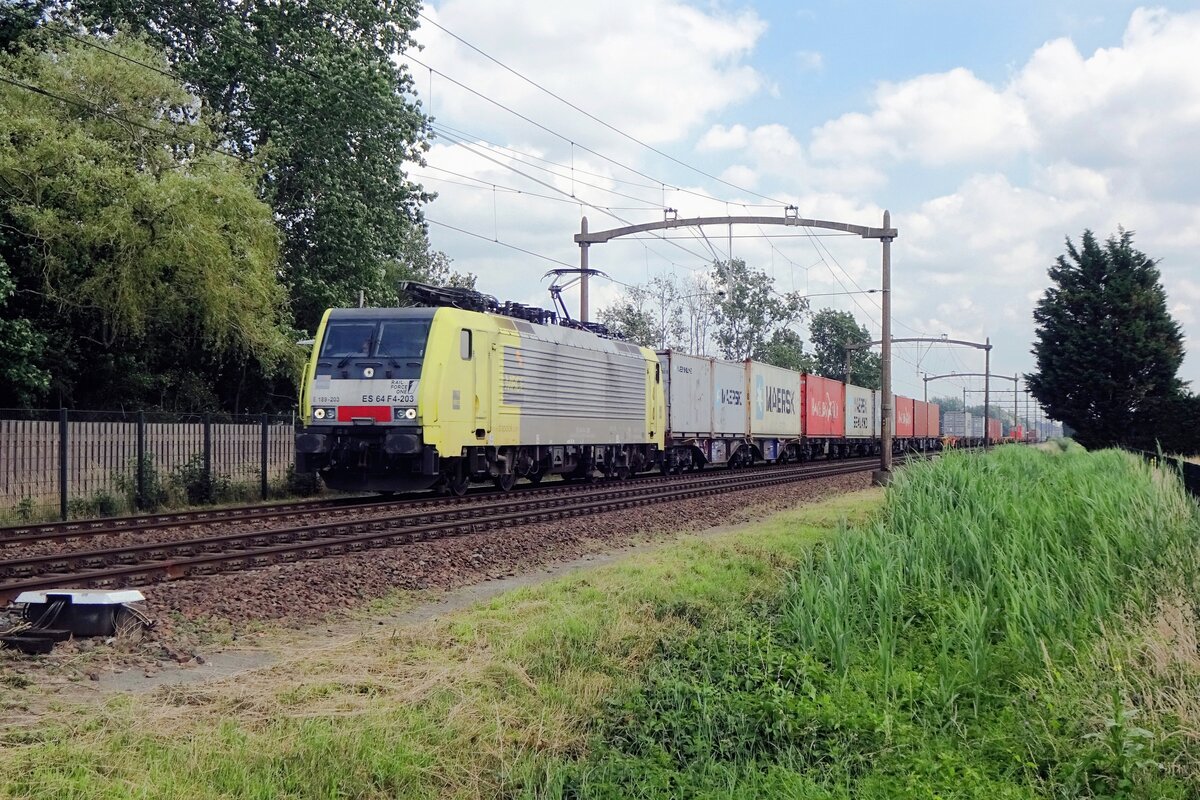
(737,413)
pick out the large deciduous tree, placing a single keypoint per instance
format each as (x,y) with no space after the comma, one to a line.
(316,89)
(1107,349)
(141,262)
(830,331)
(786,349)
(630,318)
(749,311)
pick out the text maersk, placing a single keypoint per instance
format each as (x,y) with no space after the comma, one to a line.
(781,401)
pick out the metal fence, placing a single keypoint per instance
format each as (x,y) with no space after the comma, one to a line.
(1188,472)
(78,462)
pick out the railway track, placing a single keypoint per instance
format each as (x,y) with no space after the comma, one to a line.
(204,520)
(406,522)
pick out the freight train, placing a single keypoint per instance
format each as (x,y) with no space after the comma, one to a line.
(462,389)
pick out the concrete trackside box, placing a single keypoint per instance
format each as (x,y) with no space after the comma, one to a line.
(775,400)
(860,412)
(824,407)
(730,402)
(688,392)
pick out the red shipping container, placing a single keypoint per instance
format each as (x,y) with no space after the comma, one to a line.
(920,419)
(935,420)
(823,405)
(904,416)
(994,429)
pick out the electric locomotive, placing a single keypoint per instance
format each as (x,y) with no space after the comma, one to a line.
(464,389)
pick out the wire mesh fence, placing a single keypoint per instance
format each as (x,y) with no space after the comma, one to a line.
(60,463)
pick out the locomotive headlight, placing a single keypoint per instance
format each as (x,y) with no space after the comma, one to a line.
(404,413)
(410,413)
(319,413)
(324,413)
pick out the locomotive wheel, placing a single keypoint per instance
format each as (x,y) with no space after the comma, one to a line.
(506,482)
(536,477)
(457,484)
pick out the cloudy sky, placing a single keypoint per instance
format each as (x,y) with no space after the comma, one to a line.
(991,131)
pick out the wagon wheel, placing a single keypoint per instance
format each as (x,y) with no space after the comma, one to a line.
(506,482)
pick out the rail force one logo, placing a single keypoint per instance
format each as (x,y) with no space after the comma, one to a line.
(772,399)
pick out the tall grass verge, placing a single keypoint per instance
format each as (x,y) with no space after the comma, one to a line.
(966,643)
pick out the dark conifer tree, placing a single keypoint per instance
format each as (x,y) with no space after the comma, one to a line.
(1107,349)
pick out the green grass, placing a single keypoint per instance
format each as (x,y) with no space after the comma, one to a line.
(1011,626)
(1001,630)
(470,706)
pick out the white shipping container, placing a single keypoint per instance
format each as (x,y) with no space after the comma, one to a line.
(688,387)
(956,423)
(730,405)
(860,412)
(775,400)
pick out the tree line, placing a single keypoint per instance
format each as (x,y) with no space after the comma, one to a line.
(185,187)
(734,311)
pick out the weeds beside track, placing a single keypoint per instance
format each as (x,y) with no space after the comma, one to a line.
(980,639)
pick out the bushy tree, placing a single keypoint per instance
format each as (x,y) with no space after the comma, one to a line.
(630,318)
(318,91)
(650,315)
(948,405)
(697,313)
(830,331)
(21,364)
(140,257)
(748,311)
(786,349)
(1107,350)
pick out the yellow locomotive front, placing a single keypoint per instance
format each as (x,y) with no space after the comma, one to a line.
(410,399)
(360,401)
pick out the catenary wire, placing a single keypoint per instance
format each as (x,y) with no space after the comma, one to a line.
(593,117)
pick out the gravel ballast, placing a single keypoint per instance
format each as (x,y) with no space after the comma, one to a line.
(310,590)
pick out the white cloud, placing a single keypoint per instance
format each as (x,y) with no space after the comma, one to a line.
(718,137)
(653,68)
(1132,107)
(740,175)
(945,118)
(810,60)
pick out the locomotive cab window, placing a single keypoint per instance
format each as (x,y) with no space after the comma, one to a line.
(402,338)
(348,339)
(464,344)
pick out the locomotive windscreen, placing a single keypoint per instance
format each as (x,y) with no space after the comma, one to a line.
(394,338)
